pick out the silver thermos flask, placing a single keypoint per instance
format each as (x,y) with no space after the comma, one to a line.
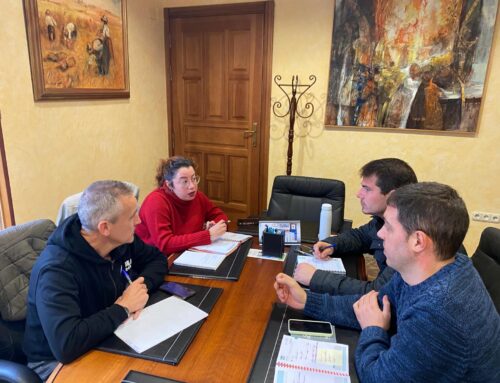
(325,221)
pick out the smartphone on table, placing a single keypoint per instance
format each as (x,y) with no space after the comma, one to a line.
(309,328)
(177,289)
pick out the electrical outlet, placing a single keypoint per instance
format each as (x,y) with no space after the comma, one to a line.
(495,218)
(485,217)
(476,216)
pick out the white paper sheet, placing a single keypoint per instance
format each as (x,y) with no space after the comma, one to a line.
(159,322)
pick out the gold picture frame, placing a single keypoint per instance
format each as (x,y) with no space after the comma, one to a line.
(78,49)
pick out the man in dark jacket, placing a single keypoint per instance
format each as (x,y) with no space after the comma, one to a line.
(379,178)
(93,274)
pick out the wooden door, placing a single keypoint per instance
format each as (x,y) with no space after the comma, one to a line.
(217,102)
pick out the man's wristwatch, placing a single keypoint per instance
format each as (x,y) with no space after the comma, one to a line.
(126,310)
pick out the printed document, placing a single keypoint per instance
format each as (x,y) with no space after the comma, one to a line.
(311,361)
(159,322)
(334,265)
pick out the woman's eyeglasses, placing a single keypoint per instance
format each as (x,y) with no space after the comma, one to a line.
(184,182)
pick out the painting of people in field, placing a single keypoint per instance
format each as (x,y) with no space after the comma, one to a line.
(408,64)
(82,46)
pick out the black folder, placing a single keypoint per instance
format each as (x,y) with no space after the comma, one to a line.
(265,361)
(171,350)
(229,269)
(140,377)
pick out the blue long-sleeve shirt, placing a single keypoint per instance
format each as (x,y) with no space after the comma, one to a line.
(444,329)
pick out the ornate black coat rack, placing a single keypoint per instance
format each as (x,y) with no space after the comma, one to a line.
(292,109)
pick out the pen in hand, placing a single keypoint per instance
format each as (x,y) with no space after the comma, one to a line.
(127,277)
(332,246)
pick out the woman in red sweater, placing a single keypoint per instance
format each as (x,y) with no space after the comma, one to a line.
(176,216)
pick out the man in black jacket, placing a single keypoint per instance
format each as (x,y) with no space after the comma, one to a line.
(93,274)
(379,178)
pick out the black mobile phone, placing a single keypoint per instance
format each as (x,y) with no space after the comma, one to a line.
(309,327)
(177,289)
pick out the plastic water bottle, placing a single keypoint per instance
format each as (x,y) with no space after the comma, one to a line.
(325,221)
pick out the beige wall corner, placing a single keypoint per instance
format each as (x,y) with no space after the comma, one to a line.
(57,148)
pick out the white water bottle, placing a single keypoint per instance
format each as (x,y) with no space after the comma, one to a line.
(325,221)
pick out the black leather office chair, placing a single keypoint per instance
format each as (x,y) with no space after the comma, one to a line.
(296,197)
(486,259)
(19,247)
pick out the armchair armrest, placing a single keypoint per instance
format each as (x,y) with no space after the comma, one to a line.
(12,372)
(346,225)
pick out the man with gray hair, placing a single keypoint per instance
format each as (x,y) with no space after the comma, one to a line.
(93,274)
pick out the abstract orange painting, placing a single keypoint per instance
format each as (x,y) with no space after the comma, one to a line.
(409,64)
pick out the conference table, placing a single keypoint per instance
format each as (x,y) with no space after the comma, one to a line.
(225,347)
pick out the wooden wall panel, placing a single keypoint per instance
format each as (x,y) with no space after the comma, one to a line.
(238,185)
(215,76)
(239,100)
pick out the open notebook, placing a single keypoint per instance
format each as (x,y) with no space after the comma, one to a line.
(311,361)
(211,256)
(333,265)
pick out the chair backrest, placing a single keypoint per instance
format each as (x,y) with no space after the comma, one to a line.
(486,259)
(70,204)
(20,246)
(297,197)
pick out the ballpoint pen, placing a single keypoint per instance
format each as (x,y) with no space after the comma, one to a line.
(125,274)
(332,246)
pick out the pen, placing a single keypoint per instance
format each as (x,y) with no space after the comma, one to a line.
(303,252)
(332,246)
(127,277)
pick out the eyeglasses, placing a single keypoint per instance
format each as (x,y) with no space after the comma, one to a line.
(184,182)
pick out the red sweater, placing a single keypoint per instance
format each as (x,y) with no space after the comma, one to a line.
(174,225)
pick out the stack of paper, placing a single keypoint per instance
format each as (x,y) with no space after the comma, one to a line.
(334,265)
(311,361)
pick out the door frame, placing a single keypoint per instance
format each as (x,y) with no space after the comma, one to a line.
(262,7)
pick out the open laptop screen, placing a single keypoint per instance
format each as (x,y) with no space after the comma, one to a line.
(290,228)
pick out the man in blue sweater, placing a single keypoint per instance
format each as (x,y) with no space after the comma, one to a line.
(379,178)
(434,321)
(93,274)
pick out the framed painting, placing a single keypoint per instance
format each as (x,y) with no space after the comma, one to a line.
(77,48)
(406,64)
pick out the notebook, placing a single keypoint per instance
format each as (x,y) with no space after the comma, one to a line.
(219,246)
(333,265)
(200,259)
(311,361)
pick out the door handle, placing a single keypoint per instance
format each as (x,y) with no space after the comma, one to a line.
(253,132)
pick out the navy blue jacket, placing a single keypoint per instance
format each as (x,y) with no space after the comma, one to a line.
(356,241)
(73,289)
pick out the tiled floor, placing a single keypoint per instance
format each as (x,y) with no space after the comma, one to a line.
(371,267)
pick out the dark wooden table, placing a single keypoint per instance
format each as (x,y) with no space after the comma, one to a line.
(224,349)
